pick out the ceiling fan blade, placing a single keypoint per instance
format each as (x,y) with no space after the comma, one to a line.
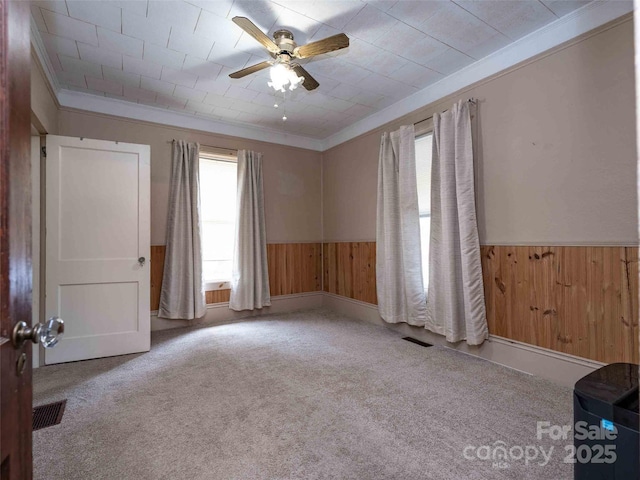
(249,70)
(309,83)
(329,44)
(249,27)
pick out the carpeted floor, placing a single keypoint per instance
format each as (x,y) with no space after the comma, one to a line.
(309,395)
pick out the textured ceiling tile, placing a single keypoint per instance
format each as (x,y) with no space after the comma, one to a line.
(138,7)
(92,54)
(513,19)
(344,91)
(265,100)
(449,61)
(180,14)
(58,6)
(219,7)
(370,24)
(199,107)
(141,27)
(190,44)
(73,65)
(373,58)
(141,94)
(563,7)
(170,101)
(302,27)
(141,67)
(103,14)
(459,29)
(117,75)
(359,111)
(157,86)
(367,98)
(218,100)
(55,44)
(178,55)
(201,68)
(243,106)
(189,93)
(117,42)
(416,75)
(163,56)
(223,78)
(336,14)
(105,86)
(386,86)
(414,12)
(264,14)
(383,5)
(178,77)
(64,26)
(411,43)
(259,84)
(210,85)
(240,93)
(225,55)
(225,113)
(217,28)
(72,78)
(338,69)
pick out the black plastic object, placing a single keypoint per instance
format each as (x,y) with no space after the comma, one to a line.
(607,401)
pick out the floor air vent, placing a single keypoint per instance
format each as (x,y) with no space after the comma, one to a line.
(417,342)
(48,415)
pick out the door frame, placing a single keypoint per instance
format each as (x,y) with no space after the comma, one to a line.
(15,239)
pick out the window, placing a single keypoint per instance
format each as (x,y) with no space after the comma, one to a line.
(218,209)
(423,177)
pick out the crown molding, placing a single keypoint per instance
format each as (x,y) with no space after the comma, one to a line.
(135,111)
(579,22)
(37,46)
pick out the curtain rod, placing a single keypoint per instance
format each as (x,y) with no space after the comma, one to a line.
(471,100)
(233,150)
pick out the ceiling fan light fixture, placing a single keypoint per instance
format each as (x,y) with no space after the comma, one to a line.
(282,75)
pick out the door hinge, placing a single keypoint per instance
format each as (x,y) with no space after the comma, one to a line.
(44,152)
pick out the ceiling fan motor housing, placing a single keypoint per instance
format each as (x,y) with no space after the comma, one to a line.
(284,41)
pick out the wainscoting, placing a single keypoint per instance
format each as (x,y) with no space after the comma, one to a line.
(581,301)
(293,268)
(577,300)
(349,270)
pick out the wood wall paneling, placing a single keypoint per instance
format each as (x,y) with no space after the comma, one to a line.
(577,300)
(157,268)
(293,268)
(349,270)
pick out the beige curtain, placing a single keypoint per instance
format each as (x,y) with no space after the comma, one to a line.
(455,301)
(182,295)
(250,278)
(399,284)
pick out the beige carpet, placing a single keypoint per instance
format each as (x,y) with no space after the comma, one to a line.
(299,396)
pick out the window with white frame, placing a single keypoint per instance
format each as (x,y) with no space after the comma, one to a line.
(218,181)
(423,177)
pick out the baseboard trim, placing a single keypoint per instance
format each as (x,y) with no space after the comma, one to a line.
(220,312)
(559,367)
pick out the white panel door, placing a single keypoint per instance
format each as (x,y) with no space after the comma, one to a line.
(97,247)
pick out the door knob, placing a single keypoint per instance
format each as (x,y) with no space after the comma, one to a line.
(47,334)
(141,261)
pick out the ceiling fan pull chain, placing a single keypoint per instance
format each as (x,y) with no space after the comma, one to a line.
(284,106)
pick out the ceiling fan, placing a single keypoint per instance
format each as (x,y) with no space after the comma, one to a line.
(284,50)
